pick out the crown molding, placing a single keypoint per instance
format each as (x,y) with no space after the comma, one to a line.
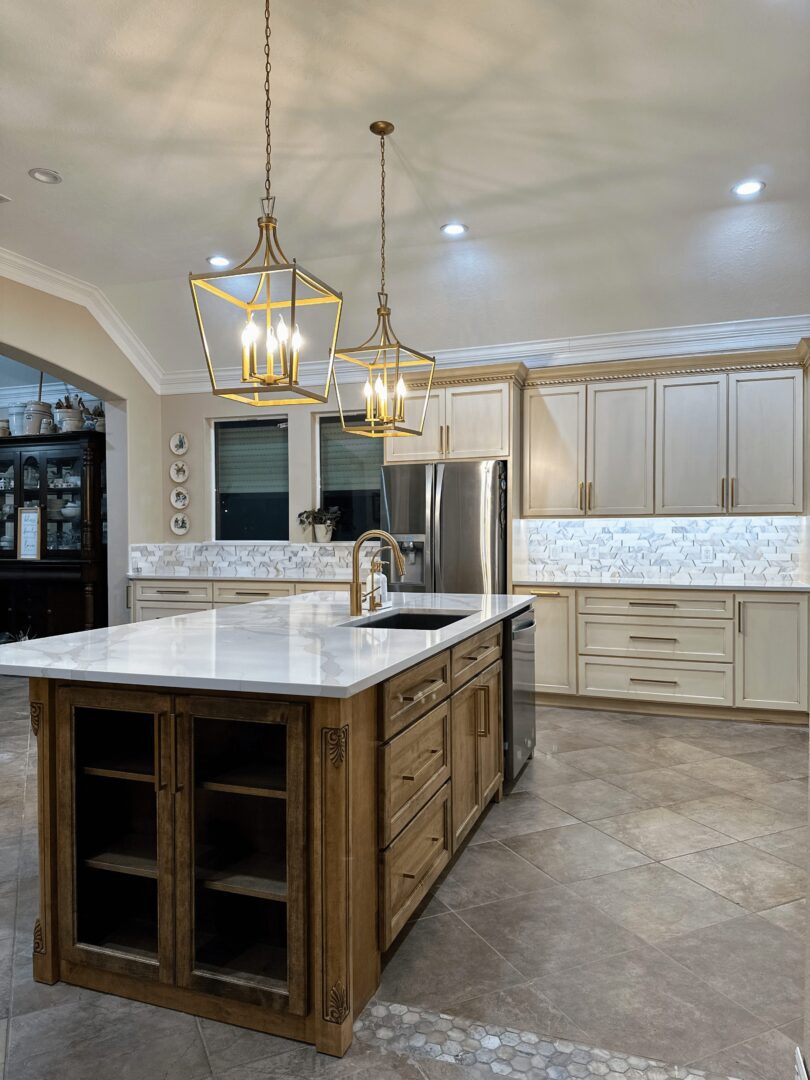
(38,276)
(22,394)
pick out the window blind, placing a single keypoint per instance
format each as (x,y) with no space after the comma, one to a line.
(348,462)
(252,458)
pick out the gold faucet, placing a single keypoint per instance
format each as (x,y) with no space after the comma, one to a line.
(356,593)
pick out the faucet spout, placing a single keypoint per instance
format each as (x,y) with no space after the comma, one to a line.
(356,592)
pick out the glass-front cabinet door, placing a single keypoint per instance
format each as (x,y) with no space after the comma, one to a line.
(64,493)
(8,506)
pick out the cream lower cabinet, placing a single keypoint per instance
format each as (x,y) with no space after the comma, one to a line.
(771,666)
(159,599)
(461,422)
(555,639)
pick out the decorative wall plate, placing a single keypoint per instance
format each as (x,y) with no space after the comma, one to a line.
(180,524)
(179,498)
(178,471)
(178,443)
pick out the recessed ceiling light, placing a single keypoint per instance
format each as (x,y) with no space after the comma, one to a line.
(219,260)
(454,228)
(746,188)
(45,176)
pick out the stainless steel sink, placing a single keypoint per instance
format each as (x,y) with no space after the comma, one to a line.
(410,619)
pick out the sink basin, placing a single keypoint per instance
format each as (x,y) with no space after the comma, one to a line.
(410,619)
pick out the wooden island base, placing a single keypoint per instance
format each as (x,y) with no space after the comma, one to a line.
(248,858)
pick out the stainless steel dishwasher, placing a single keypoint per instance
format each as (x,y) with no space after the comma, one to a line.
(518,698)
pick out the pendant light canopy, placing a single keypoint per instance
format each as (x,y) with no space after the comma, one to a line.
(391,407)
(267,323)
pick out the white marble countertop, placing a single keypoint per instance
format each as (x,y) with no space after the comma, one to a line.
(283,573)
(795,582)
(292,645)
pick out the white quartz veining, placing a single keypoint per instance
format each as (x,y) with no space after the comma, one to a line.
(711,552)
(292,645)
(218,559)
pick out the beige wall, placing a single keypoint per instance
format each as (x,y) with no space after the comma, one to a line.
(194,415)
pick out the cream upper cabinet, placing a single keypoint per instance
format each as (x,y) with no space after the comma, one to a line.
(554,451)
(765,441)
(690,445)
(619,447)
(771,667)
(460,422)
(555,639)
(430,444)
(477,421)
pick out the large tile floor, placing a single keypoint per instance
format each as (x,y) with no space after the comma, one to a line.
(642,890)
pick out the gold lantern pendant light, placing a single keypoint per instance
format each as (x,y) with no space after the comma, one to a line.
(385,359)
(263,323)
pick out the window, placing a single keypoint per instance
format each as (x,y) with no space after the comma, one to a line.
(350,477)
(252,480)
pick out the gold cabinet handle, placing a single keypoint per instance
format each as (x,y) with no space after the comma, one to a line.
(412,877)
(447,439)
(542,592)
(481,691)
(590,495)
(177,592)
(479,653)
(650,637)
(664,682)
(421,769)
(739,617)
(722,492)
(424,690)
(652,603)
(581,495)
(732,499)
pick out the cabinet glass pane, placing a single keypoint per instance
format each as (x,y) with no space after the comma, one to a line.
(64,506)
(7,509)
(30,474)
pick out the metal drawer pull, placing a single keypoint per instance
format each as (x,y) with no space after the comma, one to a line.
(422,768)
(581,492)
(479,653)
(650,637)
(536,592)
(412,877)
(590,495)
(424,690)
(254,592)
(178,592)
(664,682)
(652,603)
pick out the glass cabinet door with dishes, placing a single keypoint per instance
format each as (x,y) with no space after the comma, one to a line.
(63,495)
(9,486)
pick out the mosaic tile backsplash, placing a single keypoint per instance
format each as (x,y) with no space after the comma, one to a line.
(330,562)
(707,550)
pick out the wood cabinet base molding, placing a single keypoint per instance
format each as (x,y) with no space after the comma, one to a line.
(672,708)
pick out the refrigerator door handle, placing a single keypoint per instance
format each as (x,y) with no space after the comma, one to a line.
(438,487)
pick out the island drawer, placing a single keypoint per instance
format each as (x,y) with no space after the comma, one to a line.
(146,610)
(414,692)
(413,766)
(686,603)
(247,592)
(656,638)
(651,680)
(186,592)
(476,653)
(413,862)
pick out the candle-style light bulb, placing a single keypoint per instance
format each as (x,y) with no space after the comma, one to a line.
(297,340)
(368,394)
(399,405)
(379,390)
(272,345)
(283,331)
(250,335)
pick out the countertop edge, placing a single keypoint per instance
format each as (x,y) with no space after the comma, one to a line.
(700,586)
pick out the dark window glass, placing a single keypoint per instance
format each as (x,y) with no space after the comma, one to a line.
(350,477)
(252,480)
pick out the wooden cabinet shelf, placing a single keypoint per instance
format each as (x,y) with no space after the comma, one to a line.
(248,780)
(133,855)
(254,875)
(139,771)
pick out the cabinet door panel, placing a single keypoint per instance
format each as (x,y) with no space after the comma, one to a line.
(466,802)
(115,814)
(690,445)
(490,738)
(477,421)
(765,442)
(429,446)
(554,451)
(555,639)
(620,453)
(771,668)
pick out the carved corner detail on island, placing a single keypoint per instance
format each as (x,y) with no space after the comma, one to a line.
(37,712)
(39,940)
(338,1008)
(337,741)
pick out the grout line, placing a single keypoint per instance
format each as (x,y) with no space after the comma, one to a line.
(204,1045)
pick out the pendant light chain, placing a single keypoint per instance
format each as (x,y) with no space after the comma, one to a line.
(267,97)
(382,213)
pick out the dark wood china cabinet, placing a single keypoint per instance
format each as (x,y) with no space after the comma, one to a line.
(66,588)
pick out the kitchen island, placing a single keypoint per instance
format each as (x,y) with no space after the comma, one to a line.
(240,809)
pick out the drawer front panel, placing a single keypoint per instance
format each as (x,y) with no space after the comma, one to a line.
(697,684)
(657,638)
(664,602)
(185,592)
(246,592)
(413,862)
(143,611)
(414,692)
(413,766)
(475,654)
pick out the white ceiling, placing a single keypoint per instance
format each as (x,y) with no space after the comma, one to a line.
(589,144)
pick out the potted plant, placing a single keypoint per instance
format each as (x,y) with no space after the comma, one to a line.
(323,522)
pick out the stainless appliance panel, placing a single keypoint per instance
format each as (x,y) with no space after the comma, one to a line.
(469,526)
(406,511)
(519,732)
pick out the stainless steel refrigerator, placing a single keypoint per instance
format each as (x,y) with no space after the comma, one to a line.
(450,521)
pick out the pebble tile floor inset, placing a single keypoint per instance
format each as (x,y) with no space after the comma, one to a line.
(569,923)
